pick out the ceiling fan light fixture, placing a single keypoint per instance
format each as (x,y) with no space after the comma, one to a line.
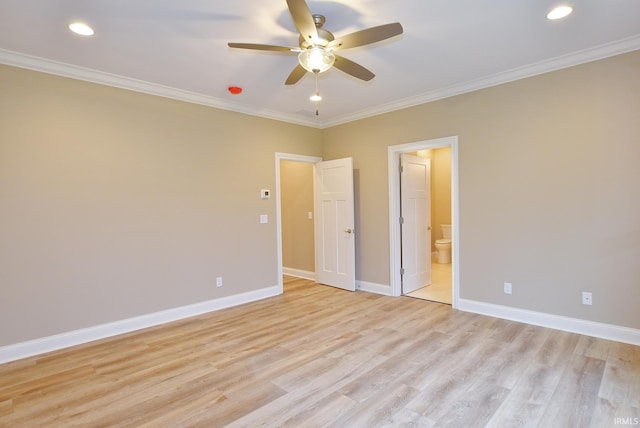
(315,97)
(316,59)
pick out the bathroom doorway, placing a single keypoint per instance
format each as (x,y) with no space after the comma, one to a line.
(437,236)
(444,286)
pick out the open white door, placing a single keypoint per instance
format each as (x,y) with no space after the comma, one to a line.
(335,241)
(415,185)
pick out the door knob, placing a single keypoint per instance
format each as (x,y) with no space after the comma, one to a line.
(349,230)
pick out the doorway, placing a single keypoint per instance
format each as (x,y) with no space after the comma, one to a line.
(297,219)
(394,155)
(299,260)
(332,216)
(433,252)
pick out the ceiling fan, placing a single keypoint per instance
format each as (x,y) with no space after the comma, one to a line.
(317,45)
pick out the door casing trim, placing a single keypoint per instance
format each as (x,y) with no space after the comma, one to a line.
(394,153)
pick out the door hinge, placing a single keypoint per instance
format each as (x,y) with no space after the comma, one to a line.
(401,220)
(401,271)
(401,169)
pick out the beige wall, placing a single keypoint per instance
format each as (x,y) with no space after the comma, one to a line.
(296,196)
(115,204)
(548,183)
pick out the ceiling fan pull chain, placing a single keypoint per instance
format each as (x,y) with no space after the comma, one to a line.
(318,98)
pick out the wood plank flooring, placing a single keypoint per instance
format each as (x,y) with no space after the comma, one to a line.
(322,357)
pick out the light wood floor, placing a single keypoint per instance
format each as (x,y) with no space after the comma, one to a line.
(318,356)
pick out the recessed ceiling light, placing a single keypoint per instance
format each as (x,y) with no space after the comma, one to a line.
(81,28)
(559,12)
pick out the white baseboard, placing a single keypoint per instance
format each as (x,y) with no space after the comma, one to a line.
(64,340)
(298,273)
(558,322)
(372,287)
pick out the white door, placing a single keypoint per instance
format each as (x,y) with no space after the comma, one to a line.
(335,241)
(415,206)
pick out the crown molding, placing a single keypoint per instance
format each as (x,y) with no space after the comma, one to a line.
(66,70)
(30,62)
(565,61)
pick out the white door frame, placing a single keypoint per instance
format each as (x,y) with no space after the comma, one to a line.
(285,157)
(395,248)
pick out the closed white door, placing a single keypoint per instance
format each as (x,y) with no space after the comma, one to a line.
(415,206)
(335,240)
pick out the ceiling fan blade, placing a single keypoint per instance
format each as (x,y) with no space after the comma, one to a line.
(295,75)
(352,68)
(303,19)
(365,37)
(259,47)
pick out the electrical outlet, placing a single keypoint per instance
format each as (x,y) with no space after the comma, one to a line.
(219,281)
(587,298)
(507,288)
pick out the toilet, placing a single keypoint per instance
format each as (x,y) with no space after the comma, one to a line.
(444,245)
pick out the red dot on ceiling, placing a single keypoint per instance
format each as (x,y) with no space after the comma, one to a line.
(235,90)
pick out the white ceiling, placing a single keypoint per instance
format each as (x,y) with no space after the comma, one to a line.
(178,48)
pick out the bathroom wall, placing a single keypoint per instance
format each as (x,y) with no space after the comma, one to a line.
(296,194)
(440,190)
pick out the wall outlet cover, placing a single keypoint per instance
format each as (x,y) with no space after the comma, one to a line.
(508,288)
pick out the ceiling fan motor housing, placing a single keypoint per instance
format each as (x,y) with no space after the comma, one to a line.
(324,38)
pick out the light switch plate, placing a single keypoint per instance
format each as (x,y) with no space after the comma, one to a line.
(264,219)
